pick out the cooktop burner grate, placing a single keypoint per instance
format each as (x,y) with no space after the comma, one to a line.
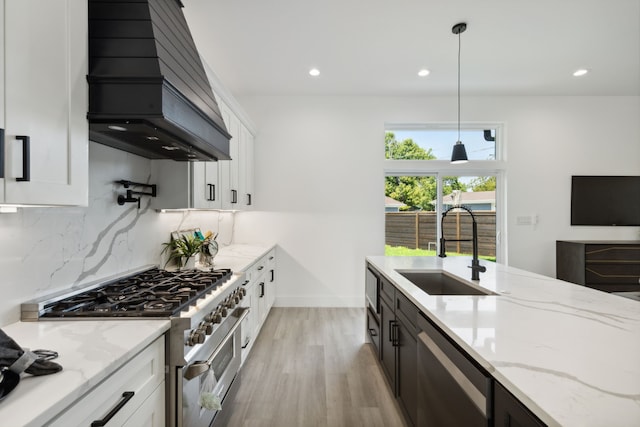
(151,293)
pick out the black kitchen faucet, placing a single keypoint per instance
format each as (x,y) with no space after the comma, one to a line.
(475,266)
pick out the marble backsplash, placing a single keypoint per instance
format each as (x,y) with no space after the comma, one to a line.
(45,250)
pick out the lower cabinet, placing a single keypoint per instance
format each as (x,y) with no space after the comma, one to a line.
(131,396)
(261,288)
(435,381)
(398,354)
(510,412)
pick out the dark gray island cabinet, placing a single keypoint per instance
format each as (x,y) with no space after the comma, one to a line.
(435,382)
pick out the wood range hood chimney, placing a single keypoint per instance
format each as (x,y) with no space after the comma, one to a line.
(148,90)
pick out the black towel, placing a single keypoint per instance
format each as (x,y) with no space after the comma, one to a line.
(16,359)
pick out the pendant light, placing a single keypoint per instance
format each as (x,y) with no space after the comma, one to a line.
(459,154)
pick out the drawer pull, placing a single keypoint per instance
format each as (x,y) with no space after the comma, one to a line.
(126,396)
(26,158)
(373,332)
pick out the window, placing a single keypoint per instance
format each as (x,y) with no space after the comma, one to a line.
(421,183)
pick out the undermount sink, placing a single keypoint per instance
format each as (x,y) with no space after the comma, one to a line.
(439,283)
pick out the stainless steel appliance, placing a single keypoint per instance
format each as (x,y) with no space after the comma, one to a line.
(204,338)
(451,390)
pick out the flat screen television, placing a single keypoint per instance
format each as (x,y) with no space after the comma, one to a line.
(605,200)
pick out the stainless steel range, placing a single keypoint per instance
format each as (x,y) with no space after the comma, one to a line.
(203,344)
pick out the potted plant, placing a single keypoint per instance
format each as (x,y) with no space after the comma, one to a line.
(183,250)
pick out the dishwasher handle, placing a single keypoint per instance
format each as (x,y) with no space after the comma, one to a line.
(474,394)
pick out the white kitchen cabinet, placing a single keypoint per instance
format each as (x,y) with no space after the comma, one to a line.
(228,169)
(260,297)
(136,390)
(185,185)
(45,102)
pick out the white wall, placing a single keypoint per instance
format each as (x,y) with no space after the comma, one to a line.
(319,178)
(43,250)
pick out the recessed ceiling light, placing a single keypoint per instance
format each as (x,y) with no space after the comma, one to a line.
(580,72)
(118,128)
(170,147)
(314,72)
(424,72)
(153,138)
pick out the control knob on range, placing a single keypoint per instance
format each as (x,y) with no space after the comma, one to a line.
(195,337)
(223,311)
(207,327)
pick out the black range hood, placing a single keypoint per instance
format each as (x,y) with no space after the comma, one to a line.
(148,91)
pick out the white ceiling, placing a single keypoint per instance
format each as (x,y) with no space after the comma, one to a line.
(376,47)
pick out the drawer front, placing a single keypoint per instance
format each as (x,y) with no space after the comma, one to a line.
(612,273)
(373,329)
(406,310)
(387,291)
(141,375)
(613,252)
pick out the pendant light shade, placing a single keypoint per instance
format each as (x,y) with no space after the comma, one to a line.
(459,153)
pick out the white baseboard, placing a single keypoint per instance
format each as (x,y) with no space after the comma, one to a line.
(322,301)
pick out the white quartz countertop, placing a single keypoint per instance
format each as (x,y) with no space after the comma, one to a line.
(571,354)
(239,257)
(89,351)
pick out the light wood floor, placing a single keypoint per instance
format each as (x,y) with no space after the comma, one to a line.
(311,367)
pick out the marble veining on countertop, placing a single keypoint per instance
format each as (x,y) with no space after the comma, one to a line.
(571,354)
(89,351)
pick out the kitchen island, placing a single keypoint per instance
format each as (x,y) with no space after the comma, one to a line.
(570,354)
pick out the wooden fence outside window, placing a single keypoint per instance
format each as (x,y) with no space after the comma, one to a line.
(417,230)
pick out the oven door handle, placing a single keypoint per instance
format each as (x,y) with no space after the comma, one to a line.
(198,368)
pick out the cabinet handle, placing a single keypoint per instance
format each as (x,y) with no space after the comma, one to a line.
(234,196)
(1,153)
(248,199)
(126,396)
(391,331)
(212,192)
(261,289)
(373,332)
(394,333)
(273,276)
(261,267)
(26,158)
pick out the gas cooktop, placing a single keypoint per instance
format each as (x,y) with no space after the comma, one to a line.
(150,293)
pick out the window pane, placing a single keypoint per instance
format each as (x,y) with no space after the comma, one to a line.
(436,144)
(478,194)
(410,217)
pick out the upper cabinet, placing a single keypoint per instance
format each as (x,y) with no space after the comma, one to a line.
(235,179)
(44,93)
(225,184)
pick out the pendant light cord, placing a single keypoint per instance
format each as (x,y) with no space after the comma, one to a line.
(459,48)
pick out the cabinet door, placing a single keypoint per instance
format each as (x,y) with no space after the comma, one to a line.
(248,164)
(206,187)
(271,280)
(151,413)
(510,412)
(46,134)
(387,343)
(407,368)
(228,169)
(2,145)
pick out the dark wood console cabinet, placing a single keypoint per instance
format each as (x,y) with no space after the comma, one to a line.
(610,266)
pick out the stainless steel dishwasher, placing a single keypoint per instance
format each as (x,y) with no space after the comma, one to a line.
(452,391)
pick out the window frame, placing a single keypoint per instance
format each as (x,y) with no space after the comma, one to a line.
(442,168)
